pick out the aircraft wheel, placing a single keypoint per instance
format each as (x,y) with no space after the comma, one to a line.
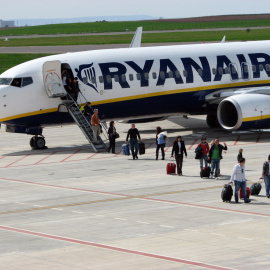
(37,143)
(212,121)
(32,142)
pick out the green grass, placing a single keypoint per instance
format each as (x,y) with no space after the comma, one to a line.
(11,59)
(231,35)
(102,27)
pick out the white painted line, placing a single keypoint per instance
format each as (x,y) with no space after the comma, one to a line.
(141,235)
(245,238)
(191,230)
(98,215)
(59,209)
(38,205)
(120,218)
(141,222)
(165,226)
(217,234)
(19,202)
(77,212)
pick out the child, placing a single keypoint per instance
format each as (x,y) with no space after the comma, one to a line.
(240,154)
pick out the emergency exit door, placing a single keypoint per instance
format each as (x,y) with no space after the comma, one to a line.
(53,80)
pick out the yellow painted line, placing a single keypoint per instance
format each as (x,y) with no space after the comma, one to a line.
(255,118)
(162,93)
(107,200)
(51,70)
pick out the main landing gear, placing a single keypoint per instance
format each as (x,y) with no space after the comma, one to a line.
(212,120)
(38,142)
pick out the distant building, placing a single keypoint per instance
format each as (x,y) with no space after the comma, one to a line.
(7,23)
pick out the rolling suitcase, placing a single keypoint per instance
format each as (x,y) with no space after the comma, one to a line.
(171,167)
(255,189)
(141,148)
(125,149)
(205,172)
(241,193)
(227,193)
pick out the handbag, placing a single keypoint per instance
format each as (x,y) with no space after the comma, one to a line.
(117,135)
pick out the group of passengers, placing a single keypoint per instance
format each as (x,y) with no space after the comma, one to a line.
(71,85)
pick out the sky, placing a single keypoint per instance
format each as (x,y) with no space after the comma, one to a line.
(38,9)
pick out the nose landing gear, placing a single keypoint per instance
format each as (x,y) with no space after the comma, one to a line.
(38,142)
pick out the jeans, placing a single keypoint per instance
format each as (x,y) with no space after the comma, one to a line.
(160,146)
(179,163)
(242,185)
(267,183)
(204,158)
(134,144)
(215,163)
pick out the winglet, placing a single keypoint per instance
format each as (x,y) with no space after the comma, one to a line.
(136,41)
(223,40)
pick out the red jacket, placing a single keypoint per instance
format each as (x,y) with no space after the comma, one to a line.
(205,147)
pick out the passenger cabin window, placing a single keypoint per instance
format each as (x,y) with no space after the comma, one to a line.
(93,79)
(227,70)
(185,73)
(254,68)
(162,75)
(26,81)
(131,78)
(170,74)
(233,70)
(116,78)
(138,76)
(108,79)
(200,72)
(220,70)
(246,69)
(214,71)
(101,79)
(146,76)
(261,67)
(154,74)
(5,81)
(267,67)
(124,78)
(177,74)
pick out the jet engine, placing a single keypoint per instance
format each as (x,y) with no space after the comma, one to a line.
(244,111)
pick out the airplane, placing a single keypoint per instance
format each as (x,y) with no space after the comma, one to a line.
(227,81)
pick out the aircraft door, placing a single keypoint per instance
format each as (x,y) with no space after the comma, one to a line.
(245,69)
(53,80)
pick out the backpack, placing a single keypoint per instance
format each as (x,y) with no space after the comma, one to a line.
(199,152)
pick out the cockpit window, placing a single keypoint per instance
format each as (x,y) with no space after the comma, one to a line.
(26,81)
(21,82)
(5,81)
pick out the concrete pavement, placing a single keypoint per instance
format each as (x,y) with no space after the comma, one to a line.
(69,208)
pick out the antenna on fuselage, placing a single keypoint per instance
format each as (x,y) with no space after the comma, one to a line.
(137,39)
(223,40)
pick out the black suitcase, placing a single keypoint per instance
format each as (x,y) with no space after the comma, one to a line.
(227,193)
(141,148)
(205,172)
(255,189)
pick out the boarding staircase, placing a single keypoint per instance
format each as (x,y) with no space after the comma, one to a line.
(86,127)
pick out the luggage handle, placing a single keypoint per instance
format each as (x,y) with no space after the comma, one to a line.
(260,180)
(172,161)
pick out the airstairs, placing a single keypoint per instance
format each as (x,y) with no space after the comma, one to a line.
(86,127)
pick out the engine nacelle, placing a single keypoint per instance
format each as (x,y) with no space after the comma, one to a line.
(244,111)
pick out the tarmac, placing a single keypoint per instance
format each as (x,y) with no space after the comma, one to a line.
(67,207)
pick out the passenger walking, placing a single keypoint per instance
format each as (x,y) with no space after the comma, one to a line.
(95,125)
(215,155)
(240,154)
(160,142)
(266,176)
(205,147)
(88,111)
(75,89)
(112,137)
(64,81)
(134,134)
(238,176)
(179,149)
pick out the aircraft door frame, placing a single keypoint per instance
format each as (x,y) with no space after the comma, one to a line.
(52,79)
(248,72)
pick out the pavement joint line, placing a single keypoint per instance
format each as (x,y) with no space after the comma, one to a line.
(243,238)
(218,234)
(165,226)
(121,219)
(114,248)
(142,222)
(77,212)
